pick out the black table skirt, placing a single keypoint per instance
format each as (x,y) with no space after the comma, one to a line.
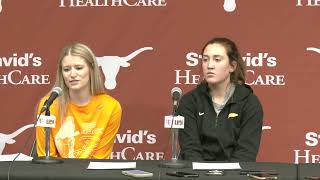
(76,169)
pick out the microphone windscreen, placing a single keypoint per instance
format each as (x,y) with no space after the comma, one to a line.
(57,90)
(176,93)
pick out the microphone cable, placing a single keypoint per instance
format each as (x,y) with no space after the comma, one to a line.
(23,147)
(56,92)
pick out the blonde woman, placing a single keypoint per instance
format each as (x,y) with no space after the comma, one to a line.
(87,119)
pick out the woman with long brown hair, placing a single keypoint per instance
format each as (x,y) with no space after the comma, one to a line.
(223,118)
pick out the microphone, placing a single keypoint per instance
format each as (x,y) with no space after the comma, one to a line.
(176,94)
(174,123)
(56,92)
(47,121)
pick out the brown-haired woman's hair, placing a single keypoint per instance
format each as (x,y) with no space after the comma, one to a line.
(238,75)
(96,85)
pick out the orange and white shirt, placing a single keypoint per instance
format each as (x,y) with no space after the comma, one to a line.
(87,131)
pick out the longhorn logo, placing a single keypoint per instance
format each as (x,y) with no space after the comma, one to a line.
(266,127)
(229,5)
(0,6)
(317,50)
(8,138)
(110,66)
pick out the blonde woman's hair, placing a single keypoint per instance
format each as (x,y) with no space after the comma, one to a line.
(96,85)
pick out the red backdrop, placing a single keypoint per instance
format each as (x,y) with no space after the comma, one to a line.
(279,41)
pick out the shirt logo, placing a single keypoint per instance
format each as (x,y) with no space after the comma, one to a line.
(201,113)
(65,138)
(232,115)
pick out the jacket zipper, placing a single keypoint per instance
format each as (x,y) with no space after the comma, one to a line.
(217,118)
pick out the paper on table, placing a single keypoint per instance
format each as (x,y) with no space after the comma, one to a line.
(112,165)
(10,157)
(206,166)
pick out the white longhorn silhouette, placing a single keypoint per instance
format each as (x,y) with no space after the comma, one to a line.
(8,138)
(266,127)
(0,6)
(111,65)
(229,5)
(317,50)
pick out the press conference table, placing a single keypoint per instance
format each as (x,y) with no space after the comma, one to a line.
(76,169)
(308,170)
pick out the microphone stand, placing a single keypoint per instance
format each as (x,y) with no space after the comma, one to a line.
(47,159)
(174,162)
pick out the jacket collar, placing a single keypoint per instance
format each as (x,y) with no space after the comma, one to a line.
(241,92)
